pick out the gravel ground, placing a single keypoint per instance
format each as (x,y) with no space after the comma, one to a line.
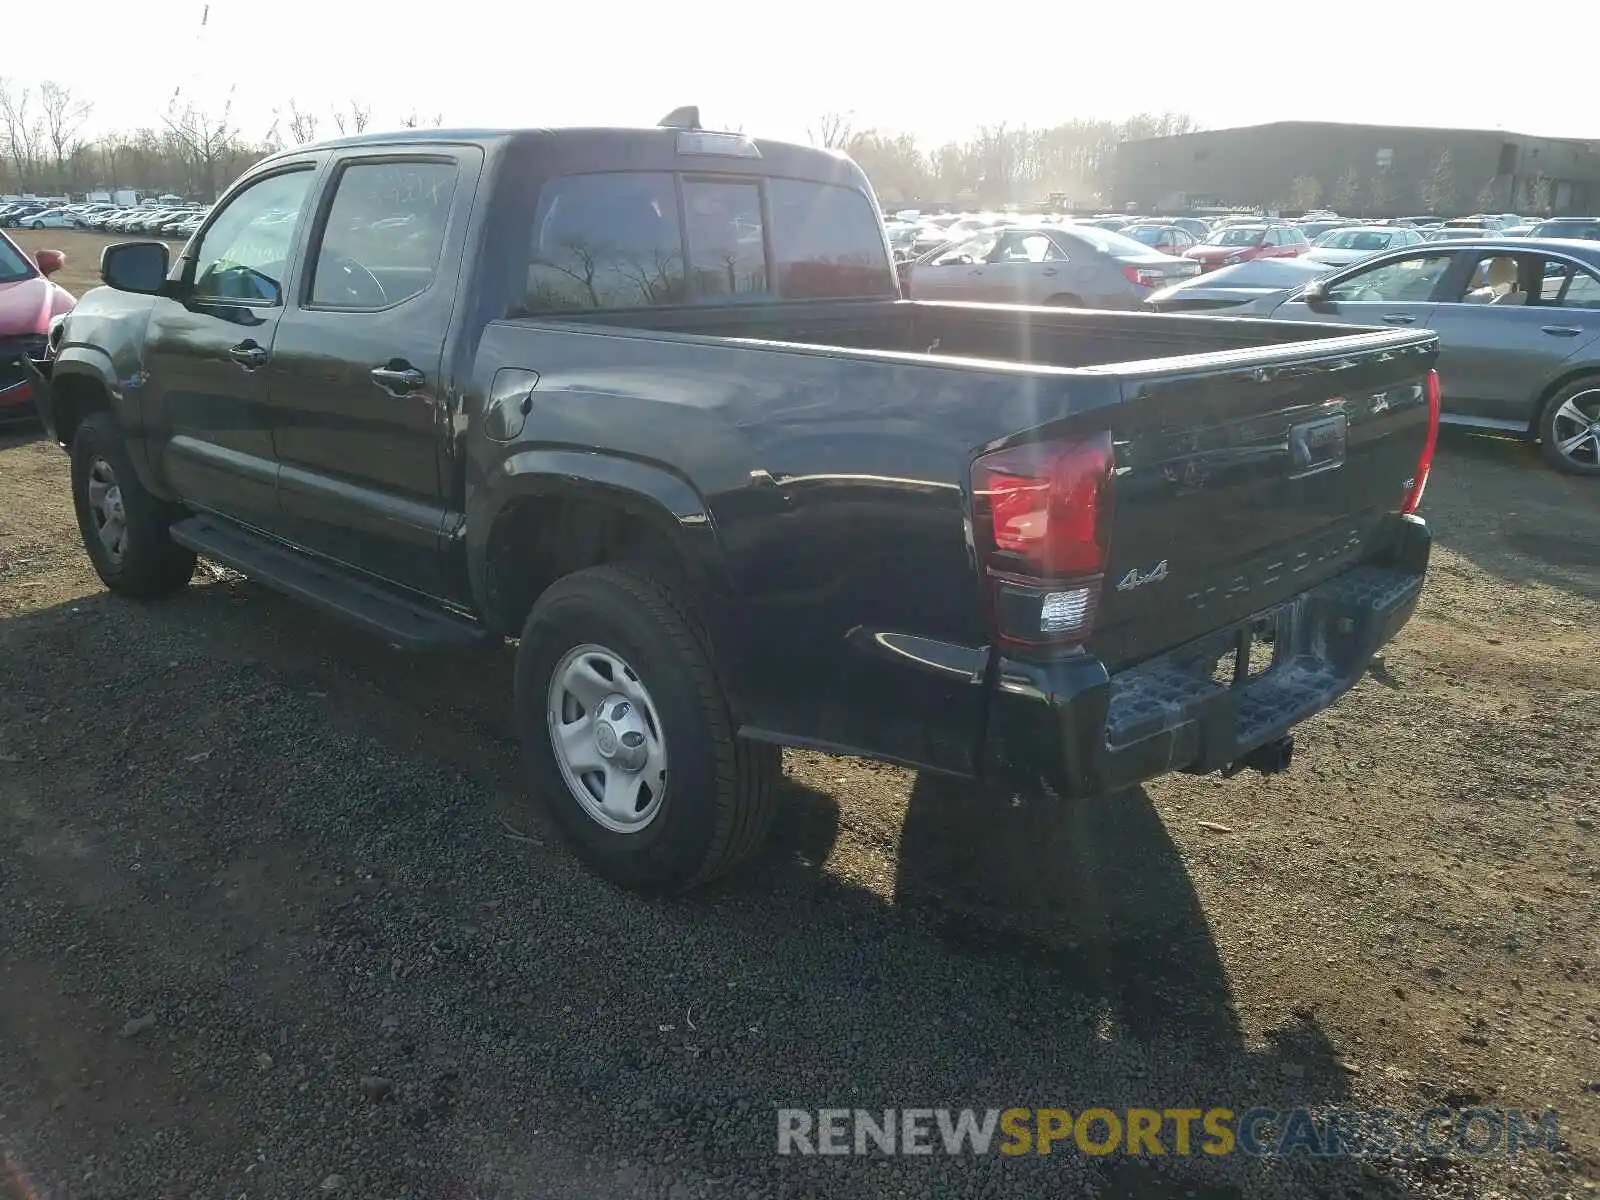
(277,920)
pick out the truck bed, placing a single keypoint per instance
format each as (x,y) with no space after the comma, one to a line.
(1067,338)
(834,445)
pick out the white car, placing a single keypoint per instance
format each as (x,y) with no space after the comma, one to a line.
(1351,244)
(51,218)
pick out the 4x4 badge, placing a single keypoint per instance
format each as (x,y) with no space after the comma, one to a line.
(1136,578)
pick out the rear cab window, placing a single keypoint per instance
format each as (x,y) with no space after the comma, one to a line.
(631,239)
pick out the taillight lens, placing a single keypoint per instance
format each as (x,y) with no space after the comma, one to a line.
(1419,481)
(1144,276)
(1041,521)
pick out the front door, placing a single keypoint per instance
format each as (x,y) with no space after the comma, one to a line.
(959,273)
(1393,291)
(357,384)
(203,396)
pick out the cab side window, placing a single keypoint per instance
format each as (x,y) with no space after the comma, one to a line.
(243,256)
(381,242)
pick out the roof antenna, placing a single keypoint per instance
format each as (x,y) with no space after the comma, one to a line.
(687,117)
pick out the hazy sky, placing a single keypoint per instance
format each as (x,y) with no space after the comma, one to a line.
(773,68)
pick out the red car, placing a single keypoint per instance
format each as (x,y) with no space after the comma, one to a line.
(28,303)
(1243,243)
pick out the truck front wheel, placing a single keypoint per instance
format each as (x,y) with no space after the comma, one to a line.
(125,529)
(629,737)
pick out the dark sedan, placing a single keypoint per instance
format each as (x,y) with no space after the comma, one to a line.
(1518,321)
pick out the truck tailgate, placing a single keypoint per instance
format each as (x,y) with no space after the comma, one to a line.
(1238,486)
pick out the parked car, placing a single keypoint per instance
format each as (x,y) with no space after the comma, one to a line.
(1165,239)
(1356,242)
(1518,321)
(650,400)
(29,301)
(1193,226)
(1237,286)
(1242,242)
(1583,228)
(1073,265)
(50,218)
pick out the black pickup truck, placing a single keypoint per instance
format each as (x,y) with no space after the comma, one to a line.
(648,401)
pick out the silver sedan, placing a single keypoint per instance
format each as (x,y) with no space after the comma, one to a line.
(1519,330)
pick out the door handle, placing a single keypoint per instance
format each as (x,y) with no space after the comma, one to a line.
(1399,319)
(1048,272)
(248,355)
(398,378)
(1561,330)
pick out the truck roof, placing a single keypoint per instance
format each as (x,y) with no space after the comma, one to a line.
(646,148)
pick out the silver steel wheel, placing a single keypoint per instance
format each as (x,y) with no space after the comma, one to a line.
(105,505)
(1575,428)
(608,738)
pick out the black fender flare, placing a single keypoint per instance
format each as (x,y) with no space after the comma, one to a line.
(658,495)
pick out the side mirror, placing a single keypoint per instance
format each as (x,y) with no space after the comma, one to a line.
(139,267)
(1315,294)
(50,261)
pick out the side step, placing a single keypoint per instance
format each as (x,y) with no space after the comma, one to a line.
(390,616)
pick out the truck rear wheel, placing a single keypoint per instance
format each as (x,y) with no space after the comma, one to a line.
(125,529)
(628,734)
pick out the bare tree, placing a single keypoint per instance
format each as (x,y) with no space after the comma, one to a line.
(22,131)
(1347,191)
(302,124)
(832,131)
(1439,188)
(1305,193)
(354,121)
(206,139)
(1487,197)
(1381,192)
(412,121)
(1541,194)
(63,116)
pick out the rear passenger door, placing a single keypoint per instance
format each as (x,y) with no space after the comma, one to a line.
(358,386)
(1496,356)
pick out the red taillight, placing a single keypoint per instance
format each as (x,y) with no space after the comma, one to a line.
(1042,519)
(1144,276)
(1419,481)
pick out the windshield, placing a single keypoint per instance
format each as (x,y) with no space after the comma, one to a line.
(1316,229)
(1237,235)
(14,265)
(1356,239)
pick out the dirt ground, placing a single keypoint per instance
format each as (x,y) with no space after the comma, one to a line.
(277,920)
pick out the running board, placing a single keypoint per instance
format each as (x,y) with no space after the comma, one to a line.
(388,615)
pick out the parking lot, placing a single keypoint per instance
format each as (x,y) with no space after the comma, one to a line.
(276,918)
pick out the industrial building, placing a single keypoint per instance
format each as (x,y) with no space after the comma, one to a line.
(1368,170)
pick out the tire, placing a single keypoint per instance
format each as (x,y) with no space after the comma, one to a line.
(1556,421)
(716,805)
(146,563)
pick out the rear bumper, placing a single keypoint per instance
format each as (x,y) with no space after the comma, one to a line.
(1086,731)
